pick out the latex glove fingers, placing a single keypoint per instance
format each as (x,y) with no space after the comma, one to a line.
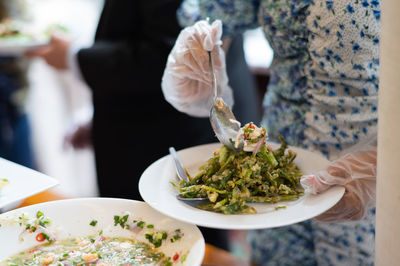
(352,166)
(354,203)
(187,80)
(190,55)
(192,96)
(208,35)
(357,173)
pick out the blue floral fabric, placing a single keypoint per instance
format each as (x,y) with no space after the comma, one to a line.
(322,96)
(324,76)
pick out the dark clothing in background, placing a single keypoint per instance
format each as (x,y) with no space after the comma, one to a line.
(15,141)
(133,125)
(242,83)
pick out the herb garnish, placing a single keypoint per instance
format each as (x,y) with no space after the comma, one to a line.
(121,220)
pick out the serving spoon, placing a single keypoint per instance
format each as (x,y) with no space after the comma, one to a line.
(225,125)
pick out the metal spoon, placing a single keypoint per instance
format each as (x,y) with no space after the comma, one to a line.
(180,171)
(225,125)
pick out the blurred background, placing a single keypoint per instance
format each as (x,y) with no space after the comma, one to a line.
(57,101)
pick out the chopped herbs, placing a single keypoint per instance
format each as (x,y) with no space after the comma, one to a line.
(43,223)
(177,235)
(45,236)
(39,214)
(156,238)
(121,220)
(36,223)
(140,224)
(94,222)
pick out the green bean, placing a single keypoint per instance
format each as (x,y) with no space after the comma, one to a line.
(230,179)
(199,187)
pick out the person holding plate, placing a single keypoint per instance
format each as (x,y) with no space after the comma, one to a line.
(322,96)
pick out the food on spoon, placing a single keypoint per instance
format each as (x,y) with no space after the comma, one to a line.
(253,137)
(257,174)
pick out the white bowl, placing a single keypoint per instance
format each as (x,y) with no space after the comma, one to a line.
(73,217)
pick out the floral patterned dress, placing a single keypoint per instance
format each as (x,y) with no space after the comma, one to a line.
(322,96)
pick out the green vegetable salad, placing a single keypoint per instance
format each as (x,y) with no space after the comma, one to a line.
(231,179)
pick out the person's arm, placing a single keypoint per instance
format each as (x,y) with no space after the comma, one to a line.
(186,81)
(132,44)
(121,65)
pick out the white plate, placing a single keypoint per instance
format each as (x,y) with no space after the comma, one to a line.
(74,216)
(18,49)
(156,190)
(23,183)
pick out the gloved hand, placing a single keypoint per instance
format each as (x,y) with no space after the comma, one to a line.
(187,82)
(357,173)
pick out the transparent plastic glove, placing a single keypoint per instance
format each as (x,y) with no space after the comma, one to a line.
(357,173)
(187,83)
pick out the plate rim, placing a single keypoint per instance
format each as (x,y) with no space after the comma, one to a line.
(19,49)
(52,182)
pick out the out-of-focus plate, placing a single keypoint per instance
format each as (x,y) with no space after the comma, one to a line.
(156,190)
(23,183)
(19,48)
(71,218)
